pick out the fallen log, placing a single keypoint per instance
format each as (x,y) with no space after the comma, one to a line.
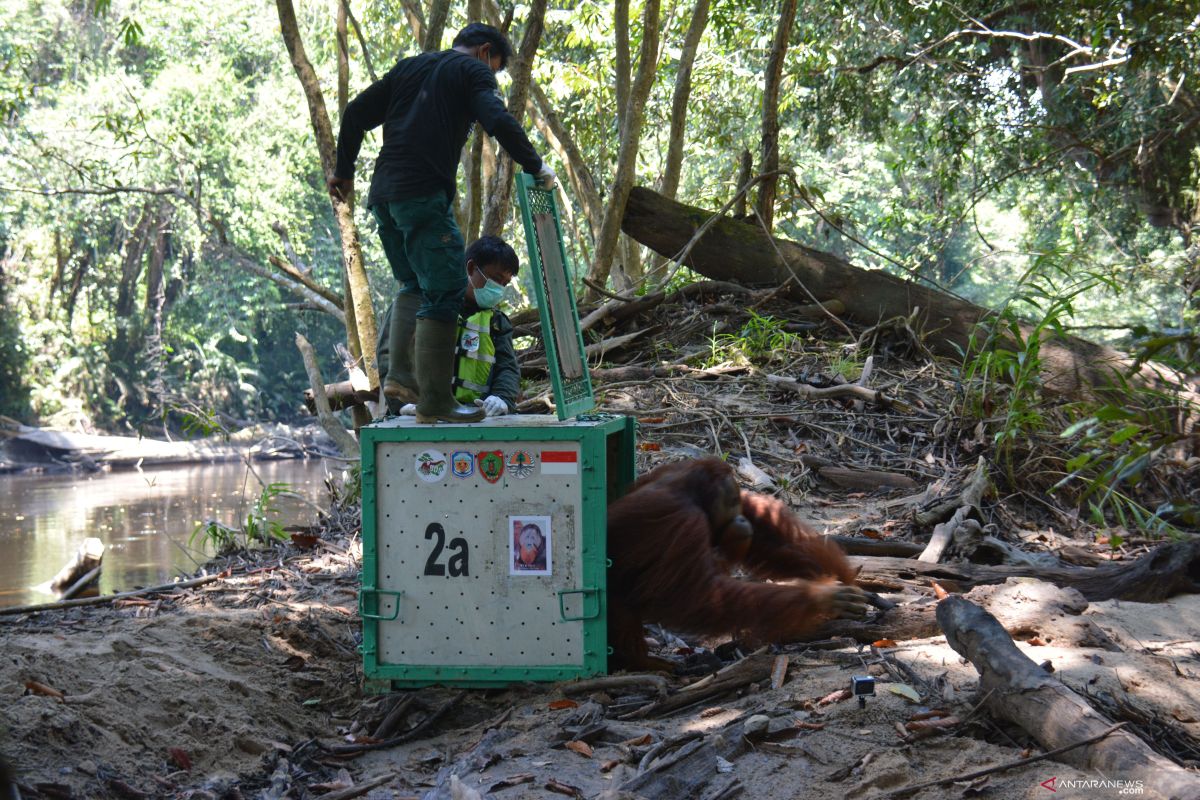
(1020,691)
(1164,572)
(731,250)
(81,572)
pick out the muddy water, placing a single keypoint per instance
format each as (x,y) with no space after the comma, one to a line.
(144,519)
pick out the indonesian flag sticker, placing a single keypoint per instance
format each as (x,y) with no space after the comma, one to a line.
(560,462)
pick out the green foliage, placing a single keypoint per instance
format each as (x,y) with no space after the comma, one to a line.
(259,526)
(1002,366)
(761,339)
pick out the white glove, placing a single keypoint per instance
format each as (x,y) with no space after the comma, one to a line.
(408,410)
(546,178)
(493,406)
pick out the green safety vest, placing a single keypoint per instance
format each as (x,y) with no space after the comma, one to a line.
(474,356)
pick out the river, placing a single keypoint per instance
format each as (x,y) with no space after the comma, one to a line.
(144,518)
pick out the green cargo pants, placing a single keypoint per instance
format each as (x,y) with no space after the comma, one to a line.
(425,251)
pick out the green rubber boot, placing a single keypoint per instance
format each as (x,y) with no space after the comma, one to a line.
(435,342)
(400,385)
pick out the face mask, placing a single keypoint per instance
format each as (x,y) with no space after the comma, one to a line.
(488,295)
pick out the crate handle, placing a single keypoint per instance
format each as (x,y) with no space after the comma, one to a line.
(562,610)
(362,603)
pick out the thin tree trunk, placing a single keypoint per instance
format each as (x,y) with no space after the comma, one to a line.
(770,114)
(362,41)
(497,204)
(618,194)
(435,25)
(677,136)
(132,262)
(745,172)
(416,20)
(669,186)
(343,60)
(360,317)
(84,262)
(469,207)
(623,67)
(60,264)
(579,174)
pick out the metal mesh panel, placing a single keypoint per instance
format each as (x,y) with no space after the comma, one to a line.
(473,612)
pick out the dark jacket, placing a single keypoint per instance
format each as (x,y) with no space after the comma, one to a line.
(426,105)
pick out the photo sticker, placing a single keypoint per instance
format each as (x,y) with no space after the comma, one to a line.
(529,545)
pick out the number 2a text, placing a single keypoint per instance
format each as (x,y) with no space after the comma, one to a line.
(458,565)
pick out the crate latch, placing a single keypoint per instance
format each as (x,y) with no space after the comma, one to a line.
(592,593)
(377,594)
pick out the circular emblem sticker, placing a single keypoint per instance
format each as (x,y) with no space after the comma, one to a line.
(520,463)
(430,465)
(469,342)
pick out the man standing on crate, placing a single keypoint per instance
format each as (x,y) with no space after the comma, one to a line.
(427,104)
(485,372)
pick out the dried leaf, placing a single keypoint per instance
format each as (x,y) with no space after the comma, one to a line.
(905,691)
(45,691)
(559,705)
(639,741)
(511,781)
(810,726)
(834,697)
(649,447)
(651,420)
(609,766)
(712,712)
(884,643)
(1035,642)
(933,724)
(583,748)
(179,757)
(932,713)
(779,671)
(563,788)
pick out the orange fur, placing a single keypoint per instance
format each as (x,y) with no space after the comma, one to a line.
(667,567)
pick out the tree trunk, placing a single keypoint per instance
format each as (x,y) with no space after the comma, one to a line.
(132,262)
(497,204)
(744,174)
(362,41)
(770,114)
(1018,690)
(679,100)
(737,251)
(81,268)
(435,25)
(623,67)
(579,174)
(631,136)
(416,20)
(343,60)
(360,317)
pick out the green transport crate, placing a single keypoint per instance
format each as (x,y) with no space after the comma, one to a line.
(484,547)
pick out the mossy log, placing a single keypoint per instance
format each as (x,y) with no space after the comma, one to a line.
(733,250)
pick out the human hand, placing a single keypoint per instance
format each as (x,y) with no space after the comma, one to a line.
(408,410)
(546,178)
(493,406)
(340,188)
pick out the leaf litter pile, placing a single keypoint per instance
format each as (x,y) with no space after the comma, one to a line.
(249,686)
